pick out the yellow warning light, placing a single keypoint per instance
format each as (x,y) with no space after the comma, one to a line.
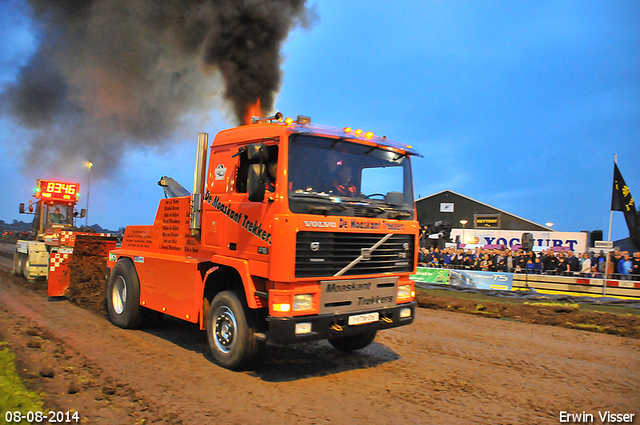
(164,309)
(347,129)
(358,132)
(409,146)
(281,307)
(368,135)
(187,316)
(288,121)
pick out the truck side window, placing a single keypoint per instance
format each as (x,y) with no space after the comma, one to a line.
(270,168)
(243,170)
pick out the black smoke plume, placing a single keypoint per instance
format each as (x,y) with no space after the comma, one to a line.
(110,74)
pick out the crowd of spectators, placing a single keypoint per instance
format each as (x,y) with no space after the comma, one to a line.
(619,265)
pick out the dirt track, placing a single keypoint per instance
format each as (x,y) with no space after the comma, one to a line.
(445,368)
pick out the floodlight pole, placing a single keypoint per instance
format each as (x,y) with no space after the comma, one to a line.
(89,164)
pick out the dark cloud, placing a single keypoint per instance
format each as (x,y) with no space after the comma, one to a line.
(108,74)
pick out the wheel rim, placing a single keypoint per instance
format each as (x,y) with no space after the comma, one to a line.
(224,332)
(119,295)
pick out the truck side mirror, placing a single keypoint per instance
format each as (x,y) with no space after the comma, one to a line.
(257,153)
(256,182)
(21,209)
(83,212)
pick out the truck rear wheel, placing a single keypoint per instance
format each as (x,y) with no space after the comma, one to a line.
(25,265)
(230,331)
(18,259)
(123,295)
(353,342)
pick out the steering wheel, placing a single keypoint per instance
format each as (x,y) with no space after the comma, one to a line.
(374,194)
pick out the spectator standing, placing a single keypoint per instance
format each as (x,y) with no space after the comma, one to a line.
(470,261)
(635,267)
(424,235)
(509,261)
(537,266)
(572,262)
(550,262)
(624,267)
(561,267)
(615,258)
(601,262)
(530,266)
(585,265)
(422,257)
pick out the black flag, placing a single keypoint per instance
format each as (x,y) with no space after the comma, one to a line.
(621,200)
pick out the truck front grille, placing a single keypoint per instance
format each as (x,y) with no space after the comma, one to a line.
(326,253)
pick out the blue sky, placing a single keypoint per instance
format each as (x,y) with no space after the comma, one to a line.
(520,105)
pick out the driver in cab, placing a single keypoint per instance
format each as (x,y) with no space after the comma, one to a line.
(56,217)
(342,184)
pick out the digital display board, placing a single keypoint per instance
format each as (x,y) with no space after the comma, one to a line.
(57,191)
(486,220)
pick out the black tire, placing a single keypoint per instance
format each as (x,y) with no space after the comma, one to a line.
(123,295)
(25,265)
(17,263)
(353,342)
(230,331)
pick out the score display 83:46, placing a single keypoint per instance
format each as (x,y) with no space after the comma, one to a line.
(42,417)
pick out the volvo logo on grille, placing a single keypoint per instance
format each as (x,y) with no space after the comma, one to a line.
(320,224)
(405,246)
(314,246)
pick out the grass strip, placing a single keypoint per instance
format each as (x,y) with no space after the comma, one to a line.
(14,396)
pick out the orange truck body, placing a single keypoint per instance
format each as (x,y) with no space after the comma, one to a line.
(267,249)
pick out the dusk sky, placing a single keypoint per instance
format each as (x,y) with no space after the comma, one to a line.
(519,105)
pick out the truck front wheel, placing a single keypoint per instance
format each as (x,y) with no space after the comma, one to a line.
(353,342)
(230,331)
(123,295)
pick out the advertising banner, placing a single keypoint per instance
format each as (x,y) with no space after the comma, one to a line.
(481,280)
(574,241)
(427,275)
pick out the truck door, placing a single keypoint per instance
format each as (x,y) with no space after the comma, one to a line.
(246,225)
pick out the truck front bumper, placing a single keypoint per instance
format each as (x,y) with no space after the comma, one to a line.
(282,330)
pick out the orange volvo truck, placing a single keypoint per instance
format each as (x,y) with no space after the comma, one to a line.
(296,232)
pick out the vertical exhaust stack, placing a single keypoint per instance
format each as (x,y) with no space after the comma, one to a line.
(199,179)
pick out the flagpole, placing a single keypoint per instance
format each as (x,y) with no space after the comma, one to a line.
(607,262)
(615,161)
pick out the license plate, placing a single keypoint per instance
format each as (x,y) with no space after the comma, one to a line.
(361,319)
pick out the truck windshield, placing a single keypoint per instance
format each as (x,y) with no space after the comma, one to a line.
(336,177)
(59,215)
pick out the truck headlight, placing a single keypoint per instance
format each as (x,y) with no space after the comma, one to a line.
(302,302)
(405,291)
